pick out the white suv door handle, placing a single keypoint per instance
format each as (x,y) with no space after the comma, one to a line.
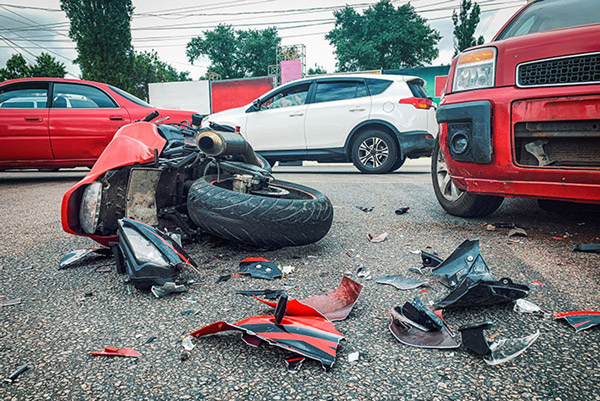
(358,109)
(296,114)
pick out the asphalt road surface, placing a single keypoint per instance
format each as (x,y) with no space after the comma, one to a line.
(57,324)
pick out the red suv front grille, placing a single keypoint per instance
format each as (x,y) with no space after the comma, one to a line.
(572,70)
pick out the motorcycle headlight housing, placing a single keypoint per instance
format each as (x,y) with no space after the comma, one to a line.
(143,250)
(89,211)
(475,69)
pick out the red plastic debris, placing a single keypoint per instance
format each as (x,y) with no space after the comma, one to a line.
(558,238)
(537,282)
(424,290)
(114,351)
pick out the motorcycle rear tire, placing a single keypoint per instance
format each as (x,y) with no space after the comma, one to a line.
(300,218)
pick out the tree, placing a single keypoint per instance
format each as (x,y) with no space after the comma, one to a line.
(465,24)
(45,66)
(16,67)
(101,31)
(236,54)
(382,37)
(149,68)
(317,70)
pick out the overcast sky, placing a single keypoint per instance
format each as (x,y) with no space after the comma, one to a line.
(168,26)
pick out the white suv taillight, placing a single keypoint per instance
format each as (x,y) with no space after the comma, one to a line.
(418,102)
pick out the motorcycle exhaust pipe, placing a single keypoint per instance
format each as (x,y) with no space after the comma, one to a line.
(226,143)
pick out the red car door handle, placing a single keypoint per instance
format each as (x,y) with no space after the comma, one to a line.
(33,118)
(116,118)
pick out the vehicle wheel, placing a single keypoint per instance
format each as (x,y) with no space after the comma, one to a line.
(374,152)
(301,217)
(399,163)
(454,200)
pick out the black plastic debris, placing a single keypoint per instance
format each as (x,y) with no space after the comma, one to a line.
(260,268)
(16,373)
(586,248)
(580,320)
(402,210)
(167,288)
(415,325)
(267,293)
(150,339)
(365,209)
(75,257)
(430,259)
(401,282)
(224,278)
(496,353)
(150,257)
(471,283)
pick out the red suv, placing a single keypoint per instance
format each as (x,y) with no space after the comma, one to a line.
(53,123)
(520,116)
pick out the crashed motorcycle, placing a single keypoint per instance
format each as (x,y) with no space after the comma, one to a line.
(188,180)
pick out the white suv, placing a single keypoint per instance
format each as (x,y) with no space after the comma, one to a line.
(376,122)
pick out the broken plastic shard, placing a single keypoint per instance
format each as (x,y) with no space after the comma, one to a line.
(187,343)
(405,332)
(580,320)
(353,356)
(419,314)
(16,373)
(224,278)
(586,248)
(379,238)
(468,276)
(114,351)
(401,282)
(335,305)
(260,268)
(365,209)
(402,210)
(267,293)
(167,288)
(294,364)
(507,349)
(287,269)
(310,336)
(499,352)
(28,267)
(10,302)
(525,306)
(74,257)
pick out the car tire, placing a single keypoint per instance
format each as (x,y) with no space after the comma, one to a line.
(454,200)
(399,163)
(374,152)
(300,218)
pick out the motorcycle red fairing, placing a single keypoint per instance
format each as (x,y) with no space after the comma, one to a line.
(133,143)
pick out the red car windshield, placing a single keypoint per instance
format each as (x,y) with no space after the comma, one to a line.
(546,15)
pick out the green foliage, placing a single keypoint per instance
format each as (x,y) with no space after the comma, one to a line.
(149,68)
(382,37)
(465,24)
(101,31)
(16,67)
(317,70)
(45,66)
(236,54)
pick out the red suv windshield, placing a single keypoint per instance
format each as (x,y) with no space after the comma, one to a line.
(545,15)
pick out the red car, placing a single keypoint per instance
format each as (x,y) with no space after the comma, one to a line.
(521,115)
(54,123)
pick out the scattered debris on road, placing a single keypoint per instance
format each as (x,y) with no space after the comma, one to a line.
(16,373)
(402,210)
(365,209)
(167,288)
(580,320)
(114,351)
(401,282)
(260,268)
(525,306)
(353,356)
(379,238)
(10,302)
(78,256)
(267,293)
(498,352)
(586,248)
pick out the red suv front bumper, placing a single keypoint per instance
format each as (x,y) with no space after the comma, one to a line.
(495,162)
